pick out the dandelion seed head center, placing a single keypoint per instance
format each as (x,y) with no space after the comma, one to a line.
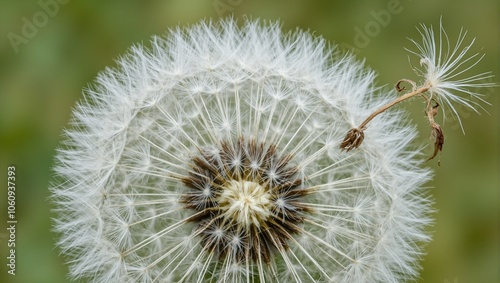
(245,202)
(253,208)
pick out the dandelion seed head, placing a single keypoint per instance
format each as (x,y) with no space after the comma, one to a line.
(214,157)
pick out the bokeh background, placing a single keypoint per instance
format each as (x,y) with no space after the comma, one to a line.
(41,78)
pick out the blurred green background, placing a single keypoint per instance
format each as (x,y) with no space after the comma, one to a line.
(41,78)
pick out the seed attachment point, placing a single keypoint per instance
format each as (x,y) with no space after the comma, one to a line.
(353,139)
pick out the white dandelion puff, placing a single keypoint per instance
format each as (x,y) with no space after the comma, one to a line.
(214,157)
(446,67)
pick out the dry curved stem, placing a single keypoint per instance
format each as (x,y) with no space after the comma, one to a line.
(400,88)
(355,136)
(437,132)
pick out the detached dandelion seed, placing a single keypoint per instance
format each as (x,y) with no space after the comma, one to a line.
(214,157)
(444,81)
(445,67)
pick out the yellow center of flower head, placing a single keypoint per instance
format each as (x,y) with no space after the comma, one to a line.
(246,197)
